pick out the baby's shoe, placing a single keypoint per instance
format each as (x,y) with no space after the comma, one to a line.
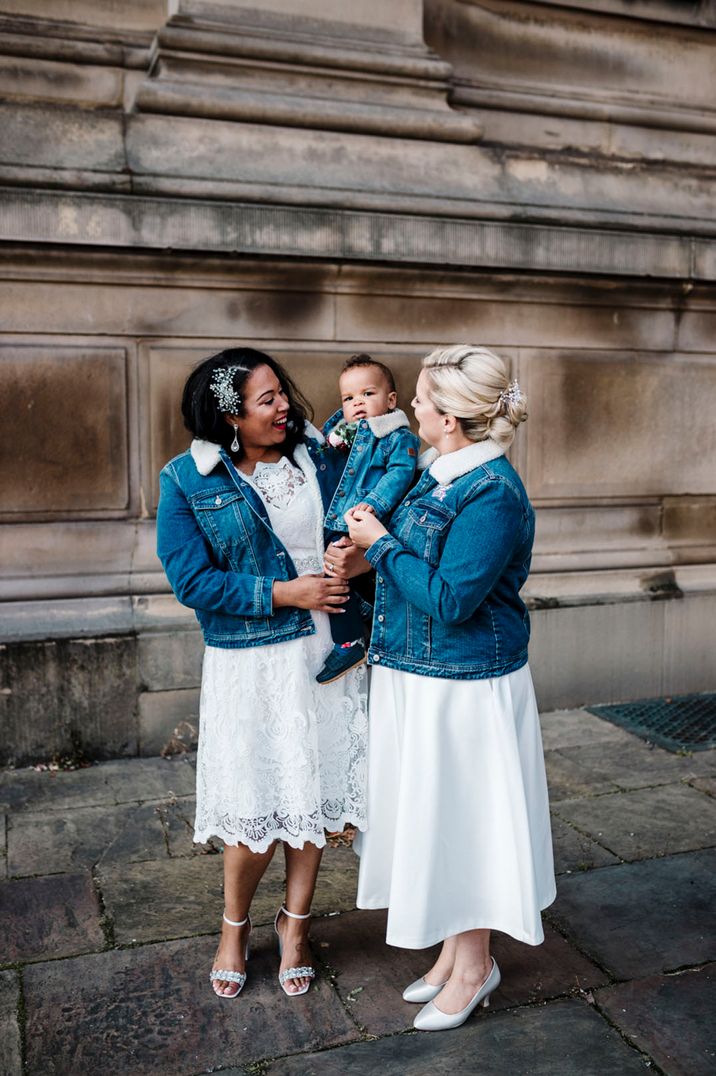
(342,658)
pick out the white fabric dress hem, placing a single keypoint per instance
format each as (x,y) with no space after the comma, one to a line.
(291,839)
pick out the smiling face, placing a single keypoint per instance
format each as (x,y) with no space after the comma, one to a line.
(263,424)
(365,393)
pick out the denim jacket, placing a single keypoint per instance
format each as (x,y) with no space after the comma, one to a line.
(219,550)
(449,573)
(379,469)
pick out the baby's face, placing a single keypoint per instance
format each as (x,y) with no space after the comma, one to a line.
(365,393)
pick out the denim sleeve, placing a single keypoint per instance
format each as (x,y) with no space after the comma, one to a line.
(478,548)
(186,559)
(401,459)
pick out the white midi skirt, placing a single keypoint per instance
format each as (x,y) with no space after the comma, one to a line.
(458,817)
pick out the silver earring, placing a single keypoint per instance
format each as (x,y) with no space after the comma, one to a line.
(235,446)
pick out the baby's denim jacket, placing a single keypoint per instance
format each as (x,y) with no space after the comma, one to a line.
(380,467)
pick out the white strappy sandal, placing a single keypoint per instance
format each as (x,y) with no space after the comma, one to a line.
(304,972)
(232,976)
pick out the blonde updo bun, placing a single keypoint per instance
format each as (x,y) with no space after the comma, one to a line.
(469,383)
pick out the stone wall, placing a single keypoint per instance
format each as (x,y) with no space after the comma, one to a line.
(175,178)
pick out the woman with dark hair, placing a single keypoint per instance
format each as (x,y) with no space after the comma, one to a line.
(240,535)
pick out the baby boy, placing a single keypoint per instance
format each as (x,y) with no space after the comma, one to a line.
(381,457)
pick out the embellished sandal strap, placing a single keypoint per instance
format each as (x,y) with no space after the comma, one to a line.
(228,976)
(233,922)
(296,973)
(294,915)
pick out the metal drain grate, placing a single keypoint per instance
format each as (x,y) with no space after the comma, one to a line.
(677,722)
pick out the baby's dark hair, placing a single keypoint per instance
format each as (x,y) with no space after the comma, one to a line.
(362,359)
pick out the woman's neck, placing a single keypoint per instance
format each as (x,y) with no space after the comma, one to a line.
(452,443)
(253,454)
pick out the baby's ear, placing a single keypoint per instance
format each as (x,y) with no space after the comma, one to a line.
(392,400)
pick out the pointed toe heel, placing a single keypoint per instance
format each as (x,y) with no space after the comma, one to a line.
(420,992)
(431,1018)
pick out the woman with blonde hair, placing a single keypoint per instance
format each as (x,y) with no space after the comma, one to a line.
(458,839)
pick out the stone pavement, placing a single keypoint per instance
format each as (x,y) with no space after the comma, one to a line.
(110,916)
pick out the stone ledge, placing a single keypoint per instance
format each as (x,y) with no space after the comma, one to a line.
(97,220)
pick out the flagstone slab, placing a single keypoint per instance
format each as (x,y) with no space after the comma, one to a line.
(669,1017)
(10,1057)
(573,728)
(647,822)
(48,843)
(49,917)
(152,1010)
(638,919)
(634,763)
(573,851)
(117,781)
(177,897)
(47,790)
(371,975)
(563,1038)
(568,778)
(705,784)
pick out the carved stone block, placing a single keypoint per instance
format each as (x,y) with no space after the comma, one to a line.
(63,442)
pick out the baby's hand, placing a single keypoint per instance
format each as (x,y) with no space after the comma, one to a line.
(363,507)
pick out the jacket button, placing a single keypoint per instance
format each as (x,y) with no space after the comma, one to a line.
(380,579)
(341,493)
(381,618)
(218,500)
(323,466)
(351,470)
(376,657)
(407,503)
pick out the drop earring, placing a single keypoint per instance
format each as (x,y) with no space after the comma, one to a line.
(235,446)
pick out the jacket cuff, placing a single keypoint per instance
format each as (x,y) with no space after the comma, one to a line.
(377,551)
(263,596)
(381,508)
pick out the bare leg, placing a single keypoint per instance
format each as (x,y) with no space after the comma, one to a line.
(442,968)
(243,870)
(471,968)
(301,872)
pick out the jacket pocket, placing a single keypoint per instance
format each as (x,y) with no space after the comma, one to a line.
(230,525)
(428,525)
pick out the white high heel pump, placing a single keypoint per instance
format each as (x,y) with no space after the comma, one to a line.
(304,972)
(431,1018)
(225,974)
(421,991)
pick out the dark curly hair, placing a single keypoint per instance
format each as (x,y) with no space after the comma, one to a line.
(199,405)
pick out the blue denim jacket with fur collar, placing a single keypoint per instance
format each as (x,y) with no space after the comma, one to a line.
(218,548)
(449,573)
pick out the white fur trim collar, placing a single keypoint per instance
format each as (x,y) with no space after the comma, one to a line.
(206,454)
(382,425)
(452,465)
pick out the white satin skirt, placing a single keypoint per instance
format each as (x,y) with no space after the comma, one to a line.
(458,830)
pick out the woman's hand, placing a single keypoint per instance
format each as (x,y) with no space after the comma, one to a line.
(344,559)
(363,527)
(325,595)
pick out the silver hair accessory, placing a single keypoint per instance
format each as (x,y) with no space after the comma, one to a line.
(235,446)
(512,394)
(222,385)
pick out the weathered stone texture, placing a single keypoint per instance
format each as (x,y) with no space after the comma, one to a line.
(69,697)
(63,443)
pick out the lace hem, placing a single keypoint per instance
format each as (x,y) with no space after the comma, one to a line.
(293,838)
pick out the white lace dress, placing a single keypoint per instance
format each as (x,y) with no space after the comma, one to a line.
(280,756)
